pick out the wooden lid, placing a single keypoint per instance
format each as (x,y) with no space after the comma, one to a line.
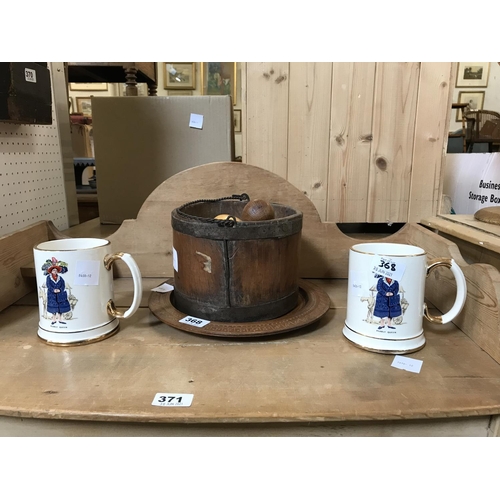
(488,214)
(312,305)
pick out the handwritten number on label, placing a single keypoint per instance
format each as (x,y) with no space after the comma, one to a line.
(387,265)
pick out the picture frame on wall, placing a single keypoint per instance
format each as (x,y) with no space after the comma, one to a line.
(237,120)
(219,78)
(473,74)
(180,92)
(179,75)
(84,105)
(71,105)
(93,87)
(474,98)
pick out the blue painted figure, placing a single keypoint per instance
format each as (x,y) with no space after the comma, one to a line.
(387,302)
(57,297)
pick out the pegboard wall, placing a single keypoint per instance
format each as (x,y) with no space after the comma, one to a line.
(31,176)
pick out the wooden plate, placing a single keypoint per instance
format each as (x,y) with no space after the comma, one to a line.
(313,304)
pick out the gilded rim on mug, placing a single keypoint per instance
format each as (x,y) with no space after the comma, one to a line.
(382,351)
(380,338)
(386,254)
(81,342)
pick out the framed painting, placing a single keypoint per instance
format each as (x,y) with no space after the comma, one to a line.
(473,74)
(96,86)
(219,78)
(180,92)
(181,75)
(237,120)
(475,100)
(84,105)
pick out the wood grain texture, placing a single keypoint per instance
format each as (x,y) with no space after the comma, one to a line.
(312,375)
(16,252)
(350,141)
(480,318)
(396,87)
(444,427)
(431,136)
(324,248)
(384,118)
(309,130)
(267,116)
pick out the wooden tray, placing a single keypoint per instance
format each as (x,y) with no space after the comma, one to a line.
(313,304)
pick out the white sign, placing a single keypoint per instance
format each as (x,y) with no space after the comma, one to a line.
(175,261)
(163,288)
(472,181)
(191,320)
(172,399)
(87,273)
(30,75)
(357,282)
(196,121)
(388,267)
(408,364)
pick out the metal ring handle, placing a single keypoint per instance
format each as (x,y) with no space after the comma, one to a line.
(136,277)
(461,291)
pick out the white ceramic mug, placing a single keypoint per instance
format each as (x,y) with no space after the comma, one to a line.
(75,290)
(385,299)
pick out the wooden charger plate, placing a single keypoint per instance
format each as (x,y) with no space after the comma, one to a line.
(313,304)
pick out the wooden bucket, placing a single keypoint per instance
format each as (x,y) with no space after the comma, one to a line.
(235,272)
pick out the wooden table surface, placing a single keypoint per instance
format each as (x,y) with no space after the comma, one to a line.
(312,375)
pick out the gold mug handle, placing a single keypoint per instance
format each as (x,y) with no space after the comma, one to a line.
(461,291)
(136,277)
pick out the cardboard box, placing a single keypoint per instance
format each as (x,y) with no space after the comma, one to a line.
(81,139)
(142,141)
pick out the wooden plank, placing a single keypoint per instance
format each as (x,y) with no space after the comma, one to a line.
(457,427)
(350,141)
(434,94)
(480,317)
(16,252)
(467,228)
(267,116)
(324,248)
(396,86)
(314,375)
(309,130)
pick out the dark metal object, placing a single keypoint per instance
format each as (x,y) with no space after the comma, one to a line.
(25,93)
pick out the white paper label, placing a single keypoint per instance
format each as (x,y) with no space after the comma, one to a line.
(408,364)
(386,266)
(191,320)
(357,283)
(175,262)
(87,272)
(171,399)
(30,75)
(196,121)
(163,288)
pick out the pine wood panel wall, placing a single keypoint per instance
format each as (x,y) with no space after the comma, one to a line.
(364,141)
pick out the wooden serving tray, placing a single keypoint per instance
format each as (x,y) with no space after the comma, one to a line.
(313,303)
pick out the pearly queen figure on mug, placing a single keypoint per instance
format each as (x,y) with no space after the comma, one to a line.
(387,302)
(57,297)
